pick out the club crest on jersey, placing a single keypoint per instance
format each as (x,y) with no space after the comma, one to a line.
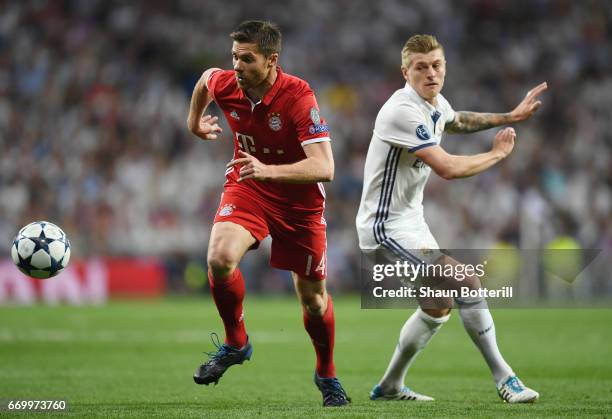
(423,133)
(234,115)
(275,122)
(314,116)
(226,210)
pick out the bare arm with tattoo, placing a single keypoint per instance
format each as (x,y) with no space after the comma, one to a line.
(466,122)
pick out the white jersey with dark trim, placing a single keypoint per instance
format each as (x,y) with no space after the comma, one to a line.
(394,178)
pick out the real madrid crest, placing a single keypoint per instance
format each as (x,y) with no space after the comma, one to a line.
(275,122)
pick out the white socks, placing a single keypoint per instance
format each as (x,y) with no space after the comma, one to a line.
(421,327)
(478,322)
(416,333)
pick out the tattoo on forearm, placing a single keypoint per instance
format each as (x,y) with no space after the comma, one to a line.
(466,122)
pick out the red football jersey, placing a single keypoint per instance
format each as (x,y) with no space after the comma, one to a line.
(274,130)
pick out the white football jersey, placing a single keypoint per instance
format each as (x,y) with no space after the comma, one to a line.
(394,178)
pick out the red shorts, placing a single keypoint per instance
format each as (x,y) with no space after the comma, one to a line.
(299,243)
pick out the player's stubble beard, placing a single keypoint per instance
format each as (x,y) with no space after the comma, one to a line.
(254,83)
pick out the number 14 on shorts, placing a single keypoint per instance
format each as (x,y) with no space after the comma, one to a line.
(320,266)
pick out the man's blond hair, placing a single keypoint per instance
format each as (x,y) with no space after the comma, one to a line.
(419,44)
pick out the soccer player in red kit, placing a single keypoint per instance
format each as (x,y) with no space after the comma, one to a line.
(273,187)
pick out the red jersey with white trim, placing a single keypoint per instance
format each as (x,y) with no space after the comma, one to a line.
(274,130)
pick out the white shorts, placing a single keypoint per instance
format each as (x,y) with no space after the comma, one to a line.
(411,240)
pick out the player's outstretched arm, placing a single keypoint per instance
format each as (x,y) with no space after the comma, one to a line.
(450,166)
(318,166)
(204,126)
(466,122)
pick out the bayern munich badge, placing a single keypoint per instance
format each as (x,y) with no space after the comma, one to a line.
(275,122)
(226,210)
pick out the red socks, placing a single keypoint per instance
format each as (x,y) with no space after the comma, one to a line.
(321,331)
(228,296)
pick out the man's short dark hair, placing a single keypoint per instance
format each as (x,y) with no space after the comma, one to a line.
(265,34)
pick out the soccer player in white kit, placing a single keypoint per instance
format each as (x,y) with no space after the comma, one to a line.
(405,147)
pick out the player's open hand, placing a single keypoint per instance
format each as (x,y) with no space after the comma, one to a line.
(207,128)
(530,104)
(250,167)
(503,143)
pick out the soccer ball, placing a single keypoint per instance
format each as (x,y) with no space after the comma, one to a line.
(41,250)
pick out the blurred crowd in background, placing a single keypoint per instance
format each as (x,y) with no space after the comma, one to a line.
(94,98)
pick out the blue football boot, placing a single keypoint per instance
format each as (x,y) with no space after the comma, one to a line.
(225,356)
(332,391)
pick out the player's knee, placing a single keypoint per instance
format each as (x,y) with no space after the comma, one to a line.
(221,263)
(436,312)
(314,303)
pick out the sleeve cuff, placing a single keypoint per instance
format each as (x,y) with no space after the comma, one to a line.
(413,149)
(315,140)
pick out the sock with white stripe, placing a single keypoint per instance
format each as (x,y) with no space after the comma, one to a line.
(478,322)
(414,336)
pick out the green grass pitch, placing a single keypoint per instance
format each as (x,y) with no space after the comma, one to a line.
(135,359)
